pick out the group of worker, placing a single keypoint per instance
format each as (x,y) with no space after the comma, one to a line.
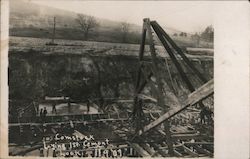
(206,116)
(43,114)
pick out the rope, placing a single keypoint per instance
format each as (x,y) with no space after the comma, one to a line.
(170,76)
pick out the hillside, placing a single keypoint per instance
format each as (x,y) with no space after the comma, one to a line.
(23,14)
(33,20)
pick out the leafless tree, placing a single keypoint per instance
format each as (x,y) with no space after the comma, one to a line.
(197,38)
(87,24)
(208,34)
(125,27)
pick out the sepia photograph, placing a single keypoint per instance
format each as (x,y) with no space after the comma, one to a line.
(110,79)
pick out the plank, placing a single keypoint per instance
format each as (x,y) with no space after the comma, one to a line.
(139,150)
(189,151)
(178,50)
(151,151)
(160,151)
(188,136)
(145,97)
(201,150)
(66,122)
(55,98)
(198,143)
(178,154)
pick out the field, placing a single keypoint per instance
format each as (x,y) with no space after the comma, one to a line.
(24,44)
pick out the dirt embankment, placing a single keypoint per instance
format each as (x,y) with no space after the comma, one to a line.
(34,75)
(85,70)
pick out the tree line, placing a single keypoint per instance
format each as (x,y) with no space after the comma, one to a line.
(89,24)
(206,35)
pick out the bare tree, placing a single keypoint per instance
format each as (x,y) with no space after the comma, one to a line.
(197,38)
(125,31)
(87,24)
(208,34)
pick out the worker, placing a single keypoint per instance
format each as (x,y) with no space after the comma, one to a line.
(192,120)
(206,113)
(54,108)
(54,153)
(71,124)
(35,105)
(44,114)
(88,105)
(41,114)
(41,152)
(203,115)
(209,114)
(69,105)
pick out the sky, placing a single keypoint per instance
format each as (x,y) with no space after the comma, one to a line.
(188,16)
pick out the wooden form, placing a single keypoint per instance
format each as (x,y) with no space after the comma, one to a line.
(64,119)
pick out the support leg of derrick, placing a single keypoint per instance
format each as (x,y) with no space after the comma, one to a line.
(137,111)
(168,138)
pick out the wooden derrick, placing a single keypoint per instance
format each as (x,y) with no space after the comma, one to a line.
(196,97)
(134,137)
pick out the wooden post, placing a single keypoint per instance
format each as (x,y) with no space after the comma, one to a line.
(137,111)
(179,51)
(154,62)
(54,31)
(174,59)
(156,73)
